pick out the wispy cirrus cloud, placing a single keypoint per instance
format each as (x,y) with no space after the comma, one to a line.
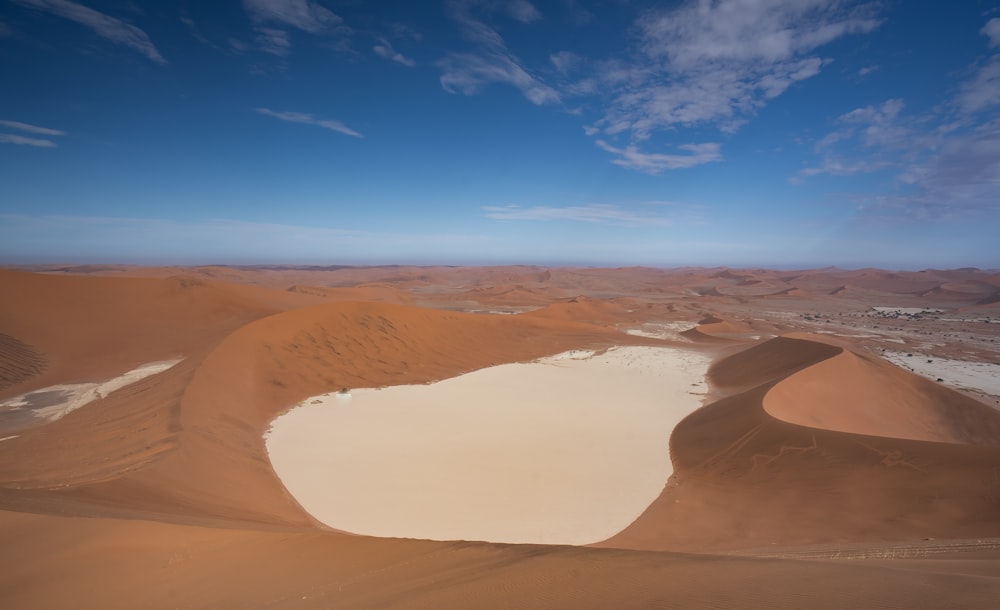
(694,65)
(655,163)
(992,29)
(491,61)
(26,127)
(523,11)
(7,138)
(591,213)
(944,161)
(718,63)
(308,119)
(383,48)
(273,18)
(110,28)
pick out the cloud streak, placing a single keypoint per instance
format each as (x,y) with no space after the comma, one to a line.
(7,138)
(384,49)
(655,163)
(308,119)
(32,129)
(273,18)
(28,128)
(491,62)
(107,27)
(592,213)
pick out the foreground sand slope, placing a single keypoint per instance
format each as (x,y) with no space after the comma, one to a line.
(744,478)
(129,564)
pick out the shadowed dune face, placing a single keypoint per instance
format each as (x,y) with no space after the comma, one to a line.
(769,361)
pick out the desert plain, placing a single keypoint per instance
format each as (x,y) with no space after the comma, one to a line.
(518,437)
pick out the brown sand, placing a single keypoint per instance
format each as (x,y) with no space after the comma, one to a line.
(160,494)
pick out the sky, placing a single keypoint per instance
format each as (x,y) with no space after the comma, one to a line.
(775,133)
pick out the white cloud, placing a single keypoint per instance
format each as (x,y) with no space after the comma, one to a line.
(654,163)
(29,128)
(6,138)
(841,167)
(195,31)
(301,14)
(384,49)
(717,63)
(964,174)
(592,213)
(45,131)
(308,119)
(983,90)
(272,18)
(273,41)
(992,29)
(523,11)
(565,61)
(696,64)
(748,33)
(105,26)
(469,73)
(878,125)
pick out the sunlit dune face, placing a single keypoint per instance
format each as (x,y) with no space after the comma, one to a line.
(567,450)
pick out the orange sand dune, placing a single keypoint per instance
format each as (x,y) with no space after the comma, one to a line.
(96,327)
(582,309)
(377,293)
(851,392)
(746,479)
(713,329)
(160,494)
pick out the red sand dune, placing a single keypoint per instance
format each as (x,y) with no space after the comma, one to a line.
(160,495)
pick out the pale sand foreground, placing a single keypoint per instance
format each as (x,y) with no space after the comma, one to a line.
(565,450)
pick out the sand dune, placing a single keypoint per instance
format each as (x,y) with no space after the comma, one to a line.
(806,485)
(160,494)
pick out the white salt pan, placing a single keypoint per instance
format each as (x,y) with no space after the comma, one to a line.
(982,376)
(565,450)
(71,397)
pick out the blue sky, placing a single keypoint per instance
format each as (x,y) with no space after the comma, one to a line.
(789,133)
